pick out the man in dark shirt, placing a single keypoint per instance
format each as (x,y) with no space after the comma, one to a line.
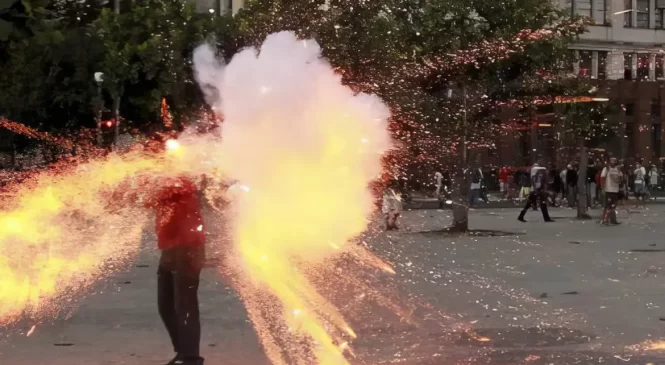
(571,182)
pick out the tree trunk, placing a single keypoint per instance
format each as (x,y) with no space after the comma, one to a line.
(582,183)
(459,205)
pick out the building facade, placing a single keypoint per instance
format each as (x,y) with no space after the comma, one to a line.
(624,51)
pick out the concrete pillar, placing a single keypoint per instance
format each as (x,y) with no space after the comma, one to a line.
(576,64)
(614,65)
(633,66)
(633,14)
(594,65)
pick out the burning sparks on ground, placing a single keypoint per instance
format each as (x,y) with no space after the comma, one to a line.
(308,148)
(649,346)
(56,236)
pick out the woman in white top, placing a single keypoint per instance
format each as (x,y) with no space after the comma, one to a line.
(640,175)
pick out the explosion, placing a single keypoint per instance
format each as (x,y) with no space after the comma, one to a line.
(305,149)
(302,149)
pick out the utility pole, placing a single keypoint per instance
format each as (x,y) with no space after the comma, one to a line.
(116,6)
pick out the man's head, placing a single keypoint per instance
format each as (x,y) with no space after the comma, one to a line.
(613,161)
(638,165)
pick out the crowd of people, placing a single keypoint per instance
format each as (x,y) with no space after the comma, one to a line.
(608,184)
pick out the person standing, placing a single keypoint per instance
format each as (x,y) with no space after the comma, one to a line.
(639,184)
(612,177)
(571,182)
(538,193)
(591,185)
(525,185)
(504,175)
(474,187)
(653,180)
(556,184)
(392,208)
(181,239)
(438,181)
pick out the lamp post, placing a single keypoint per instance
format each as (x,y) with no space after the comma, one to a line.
(99,79)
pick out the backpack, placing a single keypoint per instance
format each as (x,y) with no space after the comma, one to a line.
(476,177)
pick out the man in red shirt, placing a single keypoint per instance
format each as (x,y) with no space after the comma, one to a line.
(181,238)
(504,175)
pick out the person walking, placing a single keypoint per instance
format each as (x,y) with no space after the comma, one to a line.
(538,193)
(612,179)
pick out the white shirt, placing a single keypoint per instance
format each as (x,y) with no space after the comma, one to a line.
(653,176)
(612,177)
(640,173)
(476,186)
(439,179)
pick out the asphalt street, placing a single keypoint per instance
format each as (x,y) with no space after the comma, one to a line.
(569,292)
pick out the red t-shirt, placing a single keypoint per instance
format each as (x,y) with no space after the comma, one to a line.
(503,174)
(178,221)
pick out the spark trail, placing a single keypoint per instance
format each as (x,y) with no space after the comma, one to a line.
(304,148)
(65,229)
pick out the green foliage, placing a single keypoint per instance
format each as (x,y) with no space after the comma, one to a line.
(149,49)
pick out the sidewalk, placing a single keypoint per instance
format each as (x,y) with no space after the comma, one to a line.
(494,203)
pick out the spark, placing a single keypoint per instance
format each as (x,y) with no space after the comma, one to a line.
(32,329)
(172,145)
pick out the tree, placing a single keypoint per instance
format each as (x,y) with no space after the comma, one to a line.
(147,53)
(411,53)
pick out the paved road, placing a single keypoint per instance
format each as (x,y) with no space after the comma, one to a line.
(496,297)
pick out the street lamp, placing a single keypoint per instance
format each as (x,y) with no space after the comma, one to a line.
(99,79)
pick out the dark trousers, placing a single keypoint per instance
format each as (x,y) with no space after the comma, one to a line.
(177,297)
(532,201)
(610,211)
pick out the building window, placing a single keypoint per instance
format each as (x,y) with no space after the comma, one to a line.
(585,64)
(655,110)
(643,13)
(629,109)
(602,65)
(659,18)
(659,66)
(642,66)
(628,66)
(580,7)
(629,139)
(600,10)
(628,15)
